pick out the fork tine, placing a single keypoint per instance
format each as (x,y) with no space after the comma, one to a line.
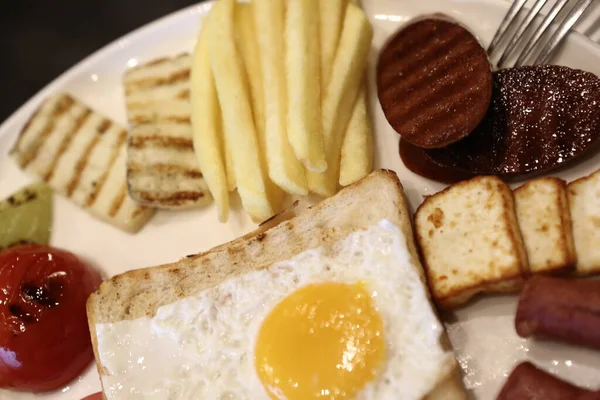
(567,24)
(539,32)
(512,45)
(509,18)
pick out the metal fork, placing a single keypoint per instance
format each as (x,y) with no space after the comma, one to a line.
(533,42)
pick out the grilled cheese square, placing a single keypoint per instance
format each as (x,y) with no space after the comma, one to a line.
(470,241)
(545,222)
(81,154)
(584,201)
(162,170)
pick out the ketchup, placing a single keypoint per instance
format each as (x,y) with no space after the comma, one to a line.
(44,337)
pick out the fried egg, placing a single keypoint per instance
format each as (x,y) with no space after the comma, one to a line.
(348,321)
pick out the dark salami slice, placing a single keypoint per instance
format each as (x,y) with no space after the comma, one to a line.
(434,82)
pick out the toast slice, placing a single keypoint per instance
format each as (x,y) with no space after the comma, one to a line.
(470,241)
(584,200)
(162,169)
(545,222)
(140,293)
(81,155)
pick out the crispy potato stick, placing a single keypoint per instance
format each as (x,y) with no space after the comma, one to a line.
(206,124)
(284,168)
(331,18)
(231,183)
(237,113)
(348,67)
(304,125)
(356,160)
(246,40)
(248,47)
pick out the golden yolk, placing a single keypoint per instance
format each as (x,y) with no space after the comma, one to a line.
(324,341)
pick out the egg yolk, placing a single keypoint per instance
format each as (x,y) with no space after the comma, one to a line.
(324,341)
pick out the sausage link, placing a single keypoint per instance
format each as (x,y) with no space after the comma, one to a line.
(526,382)
(561,309)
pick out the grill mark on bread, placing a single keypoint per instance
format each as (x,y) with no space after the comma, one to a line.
(83,160)
(168,169)
(26,127)
(146,108)
(118,201)
(174,198)
(183,95)
(153,82)
(139,210)
(140,142)
(158,61)
(177,119)
(154,119)
(66,142)
(100,182)
(62,106)
(153,63)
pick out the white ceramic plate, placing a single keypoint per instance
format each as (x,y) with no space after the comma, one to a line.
(482,333)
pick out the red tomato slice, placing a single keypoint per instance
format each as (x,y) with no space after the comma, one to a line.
(44,337)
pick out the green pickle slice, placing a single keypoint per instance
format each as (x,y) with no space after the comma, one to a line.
(26,216)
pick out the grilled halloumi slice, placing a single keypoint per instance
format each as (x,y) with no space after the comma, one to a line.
(162,170)
(81,154)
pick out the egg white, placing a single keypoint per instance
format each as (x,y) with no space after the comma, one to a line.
(202,347)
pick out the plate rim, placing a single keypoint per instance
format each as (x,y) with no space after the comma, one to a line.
(13,123)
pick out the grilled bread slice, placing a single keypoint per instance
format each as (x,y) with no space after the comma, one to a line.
(584,200)
(545,222)
(81,154)
(140,293)
(470,241)
(162,170)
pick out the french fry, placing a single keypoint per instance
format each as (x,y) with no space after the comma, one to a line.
(356,160)
(348,66)
(206,124)
(231,183)
(246,40)
(331,18)
(304,125)
(284,168)
(249,49)
(238,122)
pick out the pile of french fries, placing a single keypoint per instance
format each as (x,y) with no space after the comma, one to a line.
(279,102)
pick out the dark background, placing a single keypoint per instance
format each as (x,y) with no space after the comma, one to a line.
(40,39)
